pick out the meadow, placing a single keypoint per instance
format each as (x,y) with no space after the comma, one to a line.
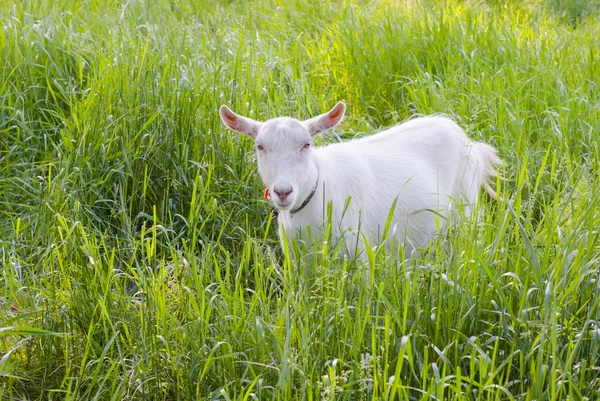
(139,261)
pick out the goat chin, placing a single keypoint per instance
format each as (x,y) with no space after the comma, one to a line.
(417,173)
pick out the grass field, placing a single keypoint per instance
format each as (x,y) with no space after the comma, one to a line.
(138,260)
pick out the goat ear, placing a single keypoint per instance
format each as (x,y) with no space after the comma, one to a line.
(243,125)
(328,120)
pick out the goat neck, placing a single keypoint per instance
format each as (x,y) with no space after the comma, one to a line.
(309,190)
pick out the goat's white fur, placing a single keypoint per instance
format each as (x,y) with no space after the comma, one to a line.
(427,165)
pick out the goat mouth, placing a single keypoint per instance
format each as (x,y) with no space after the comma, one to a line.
(282,205)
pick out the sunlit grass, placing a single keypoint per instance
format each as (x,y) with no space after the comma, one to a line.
(139,261)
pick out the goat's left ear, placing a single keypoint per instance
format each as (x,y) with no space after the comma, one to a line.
(328,120)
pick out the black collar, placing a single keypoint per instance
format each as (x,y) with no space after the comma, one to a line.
(310,196)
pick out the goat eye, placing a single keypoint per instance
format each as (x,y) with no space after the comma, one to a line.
(306,146)
(260,147)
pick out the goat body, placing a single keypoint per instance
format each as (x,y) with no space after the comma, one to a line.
(425,166)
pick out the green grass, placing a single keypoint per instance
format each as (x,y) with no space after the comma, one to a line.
(137,258)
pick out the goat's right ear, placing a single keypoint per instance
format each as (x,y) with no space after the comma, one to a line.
(243,125)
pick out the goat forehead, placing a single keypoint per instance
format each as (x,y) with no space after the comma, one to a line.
(283,131)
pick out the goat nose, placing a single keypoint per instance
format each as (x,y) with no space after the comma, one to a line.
(282,193)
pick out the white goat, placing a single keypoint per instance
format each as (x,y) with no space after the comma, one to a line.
(425,165)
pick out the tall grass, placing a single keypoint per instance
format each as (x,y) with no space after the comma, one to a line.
(138,260)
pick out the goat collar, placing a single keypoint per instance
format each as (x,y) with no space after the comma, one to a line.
(310,196)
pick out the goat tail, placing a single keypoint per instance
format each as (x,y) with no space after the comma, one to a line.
(490,161)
